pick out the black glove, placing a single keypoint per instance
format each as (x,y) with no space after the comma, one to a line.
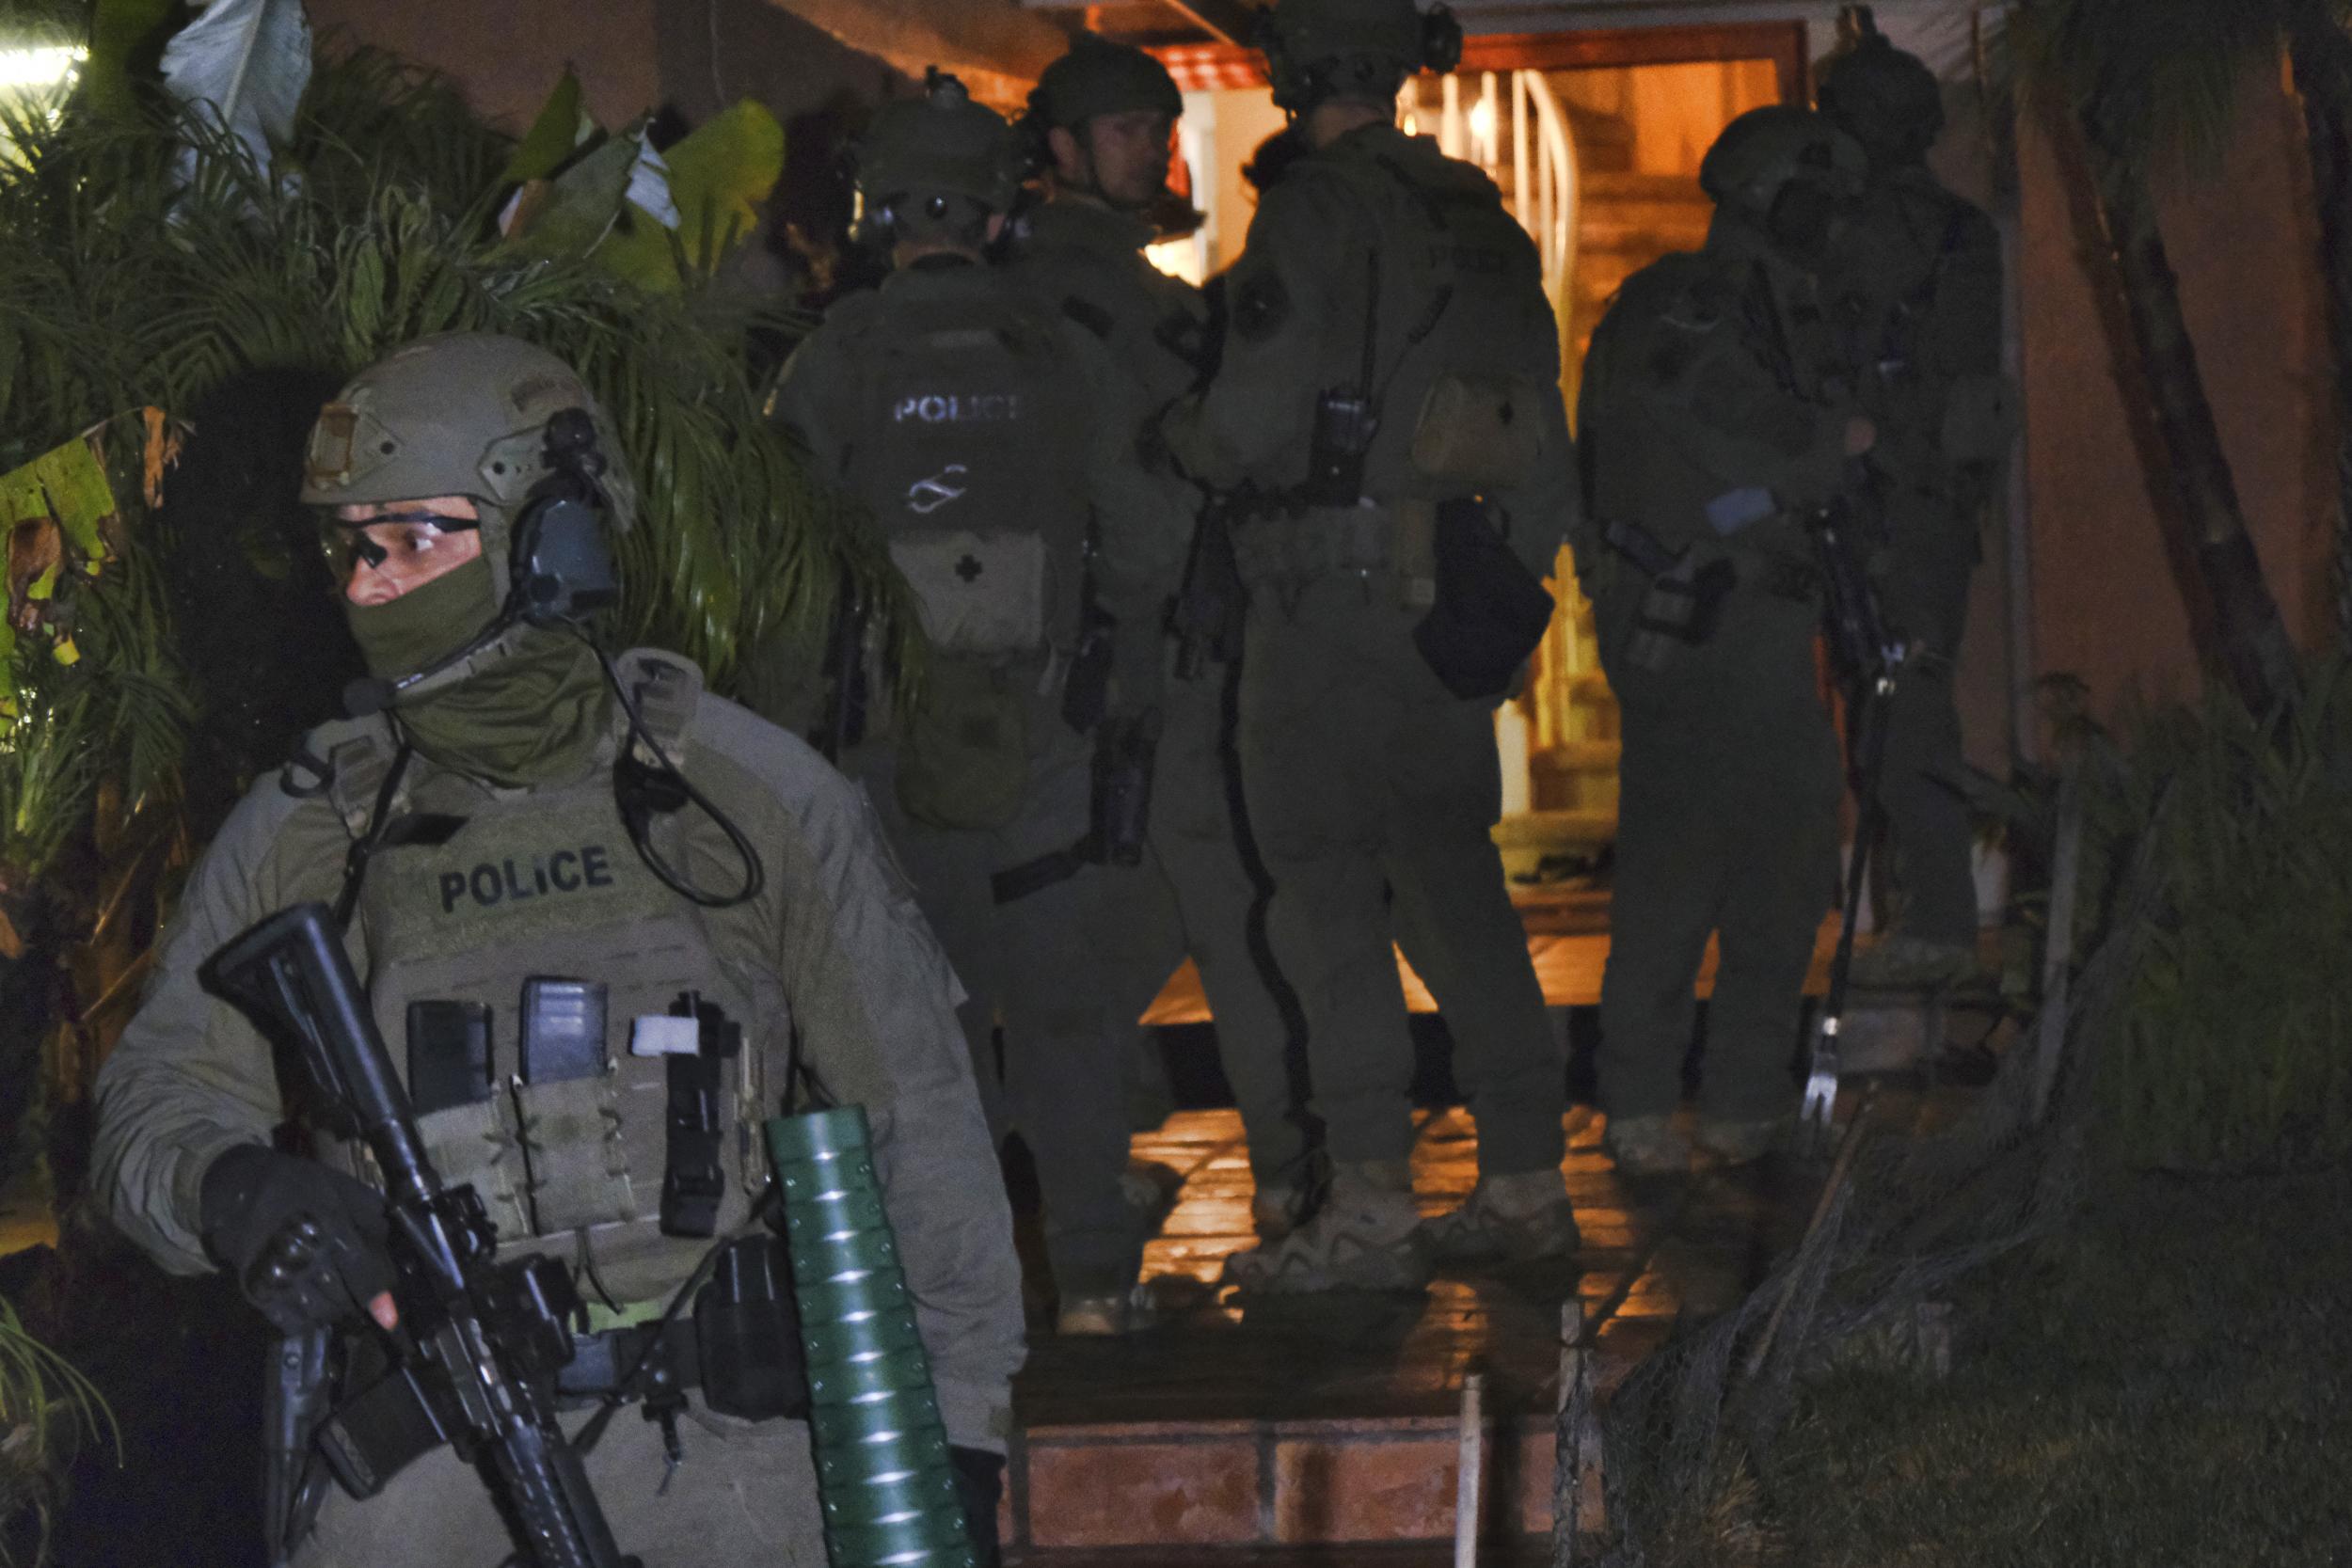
(305,1244)
(979,1478)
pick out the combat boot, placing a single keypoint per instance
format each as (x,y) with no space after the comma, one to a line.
(1508,1219)
(1367,1236)
(1645,1146)
(1104,1314)
(1741,1142)
(1281,1205)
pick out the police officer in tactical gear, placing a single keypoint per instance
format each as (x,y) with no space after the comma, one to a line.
(993,440)
(1105,113)
(1387,410)
(505,875)
(1710,430)
(1916,277)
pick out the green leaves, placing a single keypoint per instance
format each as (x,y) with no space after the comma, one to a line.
(119,32)
(562,125)
(652,221)
(39,1388)
(572,215)
(2234,1049)
(2156,81)
(718,177)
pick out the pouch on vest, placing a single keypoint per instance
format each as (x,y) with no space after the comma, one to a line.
(477,1144)
(963,754)
(1491,611)
(573,1151)
(980,593)
(568,1106)
(1479,432)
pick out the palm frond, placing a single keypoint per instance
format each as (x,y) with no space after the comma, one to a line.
(2158,81)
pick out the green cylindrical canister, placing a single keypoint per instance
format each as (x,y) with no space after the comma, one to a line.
(882,1467)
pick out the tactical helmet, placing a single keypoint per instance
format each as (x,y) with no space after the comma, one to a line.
(1880,95)
(1100,77)
(457,414)
(1318,50)
(1766,149)
(919,150)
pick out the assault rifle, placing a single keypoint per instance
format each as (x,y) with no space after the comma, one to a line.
(479,1342)
(1205,616)
(1871,655)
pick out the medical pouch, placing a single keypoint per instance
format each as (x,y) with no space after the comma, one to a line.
(978,594)
(1479,432)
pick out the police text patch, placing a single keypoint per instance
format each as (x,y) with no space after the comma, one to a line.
(491,883)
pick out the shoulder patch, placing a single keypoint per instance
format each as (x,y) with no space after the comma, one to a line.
(1261,305)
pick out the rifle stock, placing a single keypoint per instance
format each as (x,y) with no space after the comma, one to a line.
(481,1340)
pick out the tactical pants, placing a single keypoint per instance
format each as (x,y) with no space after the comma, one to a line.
(1038,963)
(1726,826)
(1373,790)
(743,1493)
(1927,814)
(1194,895)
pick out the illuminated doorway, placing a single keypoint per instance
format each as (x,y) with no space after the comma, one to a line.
(1595,140)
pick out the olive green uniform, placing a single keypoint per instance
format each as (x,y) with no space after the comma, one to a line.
(1728,785)
(956,408)
(830,964)
(1918,273)
(1370,788)
(1086,260)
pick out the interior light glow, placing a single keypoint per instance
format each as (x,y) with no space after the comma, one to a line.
(49,66)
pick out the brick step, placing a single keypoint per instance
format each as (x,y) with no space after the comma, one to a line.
(1523,1552)
(1269,1485)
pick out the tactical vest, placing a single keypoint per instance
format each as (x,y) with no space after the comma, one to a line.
(970,454)
(1918,298)
(545,884)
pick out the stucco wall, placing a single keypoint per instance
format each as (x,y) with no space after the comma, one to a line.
(2107,604)
(509,56)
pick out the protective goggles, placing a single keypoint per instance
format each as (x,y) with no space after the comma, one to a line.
(392,541)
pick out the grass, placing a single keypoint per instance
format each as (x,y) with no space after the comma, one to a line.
(2163,1382)
(45,1405)
(2234,1048)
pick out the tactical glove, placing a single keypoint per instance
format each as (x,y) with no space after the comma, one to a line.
(979,1481)
(304,1243)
